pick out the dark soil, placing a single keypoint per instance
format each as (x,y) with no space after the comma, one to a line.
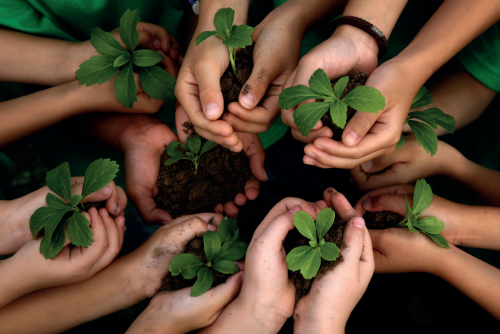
(294,239)
(195,246)
(382,220)
(359,79)
(231,85)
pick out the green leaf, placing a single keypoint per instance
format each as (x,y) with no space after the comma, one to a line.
(174,160)
(297,257)
(426,137)
(307,115)
(96,70)
(194,144)
(338,113)
(324,222)
(45,218)
(223,20)
(329,251)
(226,267)
(50,248)
(409,213)
(411,223)
(430,225)
(207,146)
(157,83)
(322,242)
(320,83)
(106,44)
(212,245)
(75,200)
(232,251)
(446,121)
(340,86)
(313,262)
(313,243)
(188,264)
(225,227)
(423,98)
(98,174)
(420,115)
(121,60)
(56,203)
(79,232)
(366,99)
(204,35)
(128,29)
(439,239)
(292,96)
(125,86)
(401,141)
(173,150)
(305,224)
(190,155)
(241,36)
(422,197)
(59,181)
(203,283)
(146,58)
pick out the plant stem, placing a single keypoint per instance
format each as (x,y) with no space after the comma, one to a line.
(232,54)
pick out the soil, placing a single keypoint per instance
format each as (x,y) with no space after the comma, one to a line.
(294,239)
(178,282)
(359,79)
(230,84)
(382,220)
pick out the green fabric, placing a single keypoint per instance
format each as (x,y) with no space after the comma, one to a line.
(481,58)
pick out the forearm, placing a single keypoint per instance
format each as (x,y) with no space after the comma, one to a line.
(208,9)
(13,282)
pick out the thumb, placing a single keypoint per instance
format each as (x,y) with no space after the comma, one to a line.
(256,155)
(221,295)
(256,86)
(387,202)
(358,127)
(101,195)
(182,124)
(354,236)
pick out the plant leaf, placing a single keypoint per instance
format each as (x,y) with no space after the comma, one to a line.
(98,174)
(128,29)
(105,43)
(174,160)
(411,223)
(338,113)
(420,115)
(292,96)
(56,203)
(324,222)
(121,60)
(44,218)
(79,232)
(59,181)
(207,146)
(212,245)
(226,267)
(146,58)
(422,197)
(232,251)
(329,251)
(409,213)
(401,141)
(186,263)
(225,227)
(241,36)
(223,20)
(313,262)
(297,257)
(194,144)
(446,121)
(426,137)
(157,83)
(305,224)
(307,115)
(203,283)
(320,83)
(430,225)
(50,248)
(423,98)
(366,99)
(173,151)
(439,239)
(340,86)
(204,35)
(96,70)
(125,86)
(75,200)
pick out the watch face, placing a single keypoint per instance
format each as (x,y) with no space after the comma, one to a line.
(196,8)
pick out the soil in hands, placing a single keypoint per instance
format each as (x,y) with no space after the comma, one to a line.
(382,220)
(294,239)
(195,247)
(231,85)
(359,79)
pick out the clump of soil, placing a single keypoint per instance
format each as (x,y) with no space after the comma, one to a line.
(381,220)
(359,79)
(231,85)
(295,239)
(195,247)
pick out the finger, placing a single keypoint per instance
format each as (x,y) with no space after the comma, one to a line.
(112,202)
(94,252)
(319,131)
(332,160)
(275,233)
(319,205)
(358,127)
(340,204)
(252,189)
(257,84)
(221,295)
(399,189)
(354,240)
(240,199)
(231,209)
(387,202)
(244,126)
(256,155)
(101,195)
(162,39)
(384,161)
(210,92)
(264,114)
(113,240)
(391,176)
(143,198)
(175,50)
(210,218)
(180,234)
(169,65)
(366,264)
(310,161)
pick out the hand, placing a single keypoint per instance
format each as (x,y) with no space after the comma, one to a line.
(15,219)
(405,165)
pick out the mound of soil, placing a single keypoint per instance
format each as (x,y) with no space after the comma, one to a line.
(382,220)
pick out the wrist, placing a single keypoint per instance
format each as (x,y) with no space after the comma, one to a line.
(364,42)
(259,318)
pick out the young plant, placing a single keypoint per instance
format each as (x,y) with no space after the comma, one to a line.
(431,226)
(362,98)
(221,249)
(50,219)
(308,258)
(423,123)
(177,151)
(155,81)
(232,36)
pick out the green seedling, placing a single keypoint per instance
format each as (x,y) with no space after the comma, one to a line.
(113,57)
(431,226)
(423,123)
(362,98)
(177,151)
(308,258)
(221,249)
(232,36)
(50,219)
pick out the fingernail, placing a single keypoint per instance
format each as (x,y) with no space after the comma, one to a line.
(157,43)
(226,144)
(331,191)
(367,204)
(312,155)
(320,147)
(367,166)
(358,222)
(248,101)
(212,110)
(310,163)
(232,111)
(265,174)
(105,190)
(295,209)
(212,227)
(351,138)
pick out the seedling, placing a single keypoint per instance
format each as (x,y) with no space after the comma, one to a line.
(232,36)
(177,151)
(362,98)
(221,249)
(431,226)
(308,258)
(50,219)
(423,123)
(155,81)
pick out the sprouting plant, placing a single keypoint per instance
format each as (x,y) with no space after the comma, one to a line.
(232,36)
(423,123)
(362,98)
(50,219)
(221,249)
(308,258)
(431,226)
(155,81)
(177,151)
